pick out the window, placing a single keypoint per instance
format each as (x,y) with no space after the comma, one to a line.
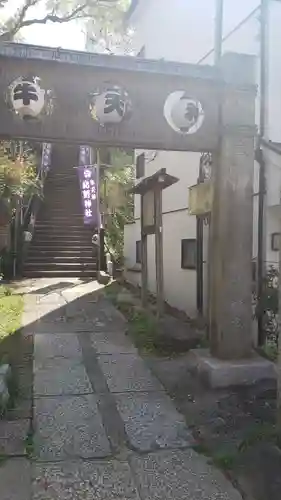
(140,164)
(138,252)
(275,242)
(188,254)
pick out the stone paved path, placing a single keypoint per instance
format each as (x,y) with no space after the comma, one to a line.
(103,426)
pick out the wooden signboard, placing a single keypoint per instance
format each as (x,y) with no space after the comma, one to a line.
(200,198)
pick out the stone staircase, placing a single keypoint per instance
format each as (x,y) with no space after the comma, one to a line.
(61,244)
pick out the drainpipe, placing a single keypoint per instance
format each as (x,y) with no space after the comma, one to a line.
(218,31)
(261,161)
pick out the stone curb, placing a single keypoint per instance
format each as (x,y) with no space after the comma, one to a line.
(5,375)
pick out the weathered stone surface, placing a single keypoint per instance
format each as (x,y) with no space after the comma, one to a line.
(152,422)
(127,372)
(225,373)
(259,471)
(180,475)
(5,372)
(70,431)
(12,437)
(59,376)
(104,323)
(112,343)
(103,278)
(51,298)
(69,427)
(126,297)
(60,325)
(15,480)
(83,481)
(51,346)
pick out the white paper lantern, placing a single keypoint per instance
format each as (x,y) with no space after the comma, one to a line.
(111,106)
(27,236)
(26,97)
(183,113)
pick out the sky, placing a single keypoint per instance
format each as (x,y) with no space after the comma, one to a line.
(68,35)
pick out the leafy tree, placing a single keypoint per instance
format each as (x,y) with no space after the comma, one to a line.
(118,203)
(31,12)
(17,177)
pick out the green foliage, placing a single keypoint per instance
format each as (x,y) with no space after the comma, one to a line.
(107,31)
(224,461)
(102,13)
(6,264)
(266,432)
(17,178)
(29,443)
(11,307)
(117,182)
(269,306)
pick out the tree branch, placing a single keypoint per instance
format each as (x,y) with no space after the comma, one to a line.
(79,12)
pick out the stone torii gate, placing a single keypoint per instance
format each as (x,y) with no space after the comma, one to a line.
(55,95)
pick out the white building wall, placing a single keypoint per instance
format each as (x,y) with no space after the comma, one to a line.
(182,30)
(179,284)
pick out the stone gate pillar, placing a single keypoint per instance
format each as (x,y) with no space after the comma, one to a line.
(232,215)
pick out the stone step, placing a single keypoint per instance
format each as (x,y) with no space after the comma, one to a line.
(58,259)
(52,239)
(40,247)
(60,229)
(43,273)
(64,235)
(53,266)
(61,216)
(61,255)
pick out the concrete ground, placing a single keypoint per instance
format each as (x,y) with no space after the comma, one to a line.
(102,425)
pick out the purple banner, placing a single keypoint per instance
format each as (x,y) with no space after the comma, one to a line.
(46,156)
(88,188)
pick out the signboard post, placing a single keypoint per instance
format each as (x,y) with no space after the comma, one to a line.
(150,190)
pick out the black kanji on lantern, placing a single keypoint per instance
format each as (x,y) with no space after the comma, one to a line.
(114,102)
(191,112)
(25,91)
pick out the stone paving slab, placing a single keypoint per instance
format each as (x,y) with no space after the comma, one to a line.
(83,481)
(152,422)
(69,427)
(60,376)
(180,475)
(112,343)
(51,298)
(112,314)
(103,324)
(13,437)
(15,480)
(127,372)
(61,326)
(59,345)
(88,289)
(22,410)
